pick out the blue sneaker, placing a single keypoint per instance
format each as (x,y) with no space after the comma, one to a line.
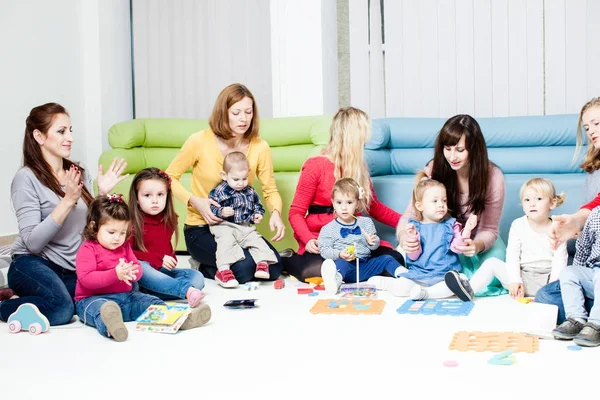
(28,318)
(459,285)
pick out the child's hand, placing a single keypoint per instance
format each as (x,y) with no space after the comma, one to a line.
(169,262)
(344,255)
(227,212)
(371,238)
(516,290)
(411,230)
(123,271)
(469,226)
(257,218)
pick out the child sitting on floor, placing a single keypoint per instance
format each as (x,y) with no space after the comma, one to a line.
(240,208)
(154,223)
(439,235)
(106,267)
(348,238)
(530,260)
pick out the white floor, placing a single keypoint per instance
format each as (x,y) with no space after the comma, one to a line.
(281,350)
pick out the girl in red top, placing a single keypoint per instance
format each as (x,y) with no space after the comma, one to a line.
(106,268)
(312,209)
(154,222)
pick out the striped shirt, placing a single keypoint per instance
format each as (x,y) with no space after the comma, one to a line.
(331,242)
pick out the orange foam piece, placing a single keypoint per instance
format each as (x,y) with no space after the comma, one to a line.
(322,307)
(494,341)
(317,280)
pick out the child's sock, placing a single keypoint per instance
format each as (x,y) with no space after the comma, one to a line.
(194,296)
(111,315)
(262,270)
(400,270)
(399,287)
(198,317)
(438,291)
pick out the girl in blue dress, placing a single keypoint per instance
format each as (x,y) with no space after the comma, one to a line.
(439,235)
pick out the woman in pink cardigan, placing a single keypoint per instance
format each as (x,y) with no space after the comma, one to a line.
(474,186)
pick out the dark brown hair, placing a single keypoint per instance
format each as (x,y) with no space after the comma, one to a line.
(103,209)
(478,163)
(219,118)
(137,215)
(235,158)
(41,118)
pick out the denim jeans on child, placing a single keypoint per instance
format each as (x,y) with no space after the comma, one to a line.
(576,283)
(38,281)
(368,267)
(132,305)
(169,285)
(551,294)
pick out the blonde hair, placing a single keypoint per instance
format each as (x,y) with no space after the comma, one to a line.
(349,187)
(545,187)
(423,183)
(235,159)
(591,162)
(350,130)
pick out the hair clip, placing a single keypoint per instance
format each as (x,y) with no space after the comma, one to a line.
(165,176)
(361,193)
(115,198)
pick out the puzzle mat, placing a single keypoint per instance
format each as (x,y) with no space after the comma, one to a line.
(494,341)
(348,306)
(436,307)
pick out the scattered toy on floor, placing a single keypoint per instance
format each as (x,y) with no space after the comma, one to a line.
(574,348)
(28,318)
(279,284)
(450,363)
(503,358)
(344,306)
(436,307)
(250,286)
(305,290)
(494,341)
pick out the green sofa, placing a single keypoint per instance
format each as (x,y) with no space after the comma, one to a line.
(155,142)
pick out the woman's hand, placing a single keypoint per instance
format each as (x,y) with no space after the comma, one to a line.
(169,262)
(107,182)
(409,243)
(312,246)
(73,185)
(203,207)
(276,223)
(469,249)
(566,226)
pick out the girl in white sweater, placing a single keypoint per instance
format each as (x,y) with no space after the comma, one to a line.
(530,261)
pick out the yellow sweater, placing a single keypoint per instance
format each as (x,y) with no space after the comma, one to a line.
(200,151)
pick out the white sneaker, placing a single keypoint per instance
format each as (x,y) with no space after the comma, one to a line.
(392,285)
(332,279)
(418,293)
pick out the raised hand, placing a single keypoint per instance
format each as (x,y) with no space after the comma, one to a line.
(73,185)
(107,181)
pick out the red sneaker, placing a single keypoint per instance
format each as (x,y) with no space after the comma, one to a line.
(226,279)
(262,271)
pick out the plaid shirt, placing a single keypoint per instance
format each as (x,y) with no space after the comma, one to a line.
(245,203)
(588,243)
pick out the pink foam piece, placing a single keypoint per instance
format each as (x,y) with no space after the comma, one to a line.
(450,363)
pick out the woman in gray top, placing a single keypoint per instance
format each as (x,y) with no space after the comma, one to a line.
(50,195)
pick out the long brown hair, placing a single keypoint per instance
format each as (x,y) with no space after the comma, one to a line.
(137,215)
(103,209)
(479,165)
(41,118)
(219,118)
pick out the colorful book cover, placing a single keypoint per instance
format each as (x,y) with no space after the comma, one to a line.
(163,318)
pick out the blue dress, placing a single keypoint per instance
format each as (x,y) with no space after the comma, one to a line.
(437,257)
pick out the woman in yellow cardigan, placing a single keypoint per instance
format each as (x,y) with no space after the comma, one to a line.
(233,127)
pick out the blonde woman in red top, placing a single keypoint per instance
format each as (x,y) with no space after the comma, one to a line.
(311,207)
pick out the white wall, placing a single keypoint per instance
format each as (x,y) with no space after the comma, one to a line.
(483,57)
(55,52)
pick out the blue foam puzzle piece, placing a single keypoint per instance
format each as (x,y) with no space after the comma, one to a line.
(333,304)
(436,307)
(28,314)
(313,294)
(574,348)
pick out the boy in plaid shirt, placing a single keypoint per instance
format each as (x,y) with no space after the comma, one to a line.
(240,208)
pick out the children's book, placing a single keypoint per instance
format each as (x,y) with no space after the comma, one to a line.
(163,318)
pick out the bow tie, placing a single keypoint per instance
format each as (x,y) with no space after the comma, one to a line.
(350,231)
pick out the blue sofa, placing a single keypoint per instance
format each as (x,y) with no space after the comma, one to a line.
(523,148)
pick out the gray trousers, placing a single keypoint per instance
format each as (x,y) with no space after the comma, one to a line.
(233,238)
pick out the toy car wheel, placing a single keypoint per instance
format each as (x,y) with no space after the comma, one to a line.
(14,327)
(35,328)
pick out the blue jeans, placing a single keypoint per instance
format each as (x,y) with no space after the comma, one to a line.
(132,305)
(551,294)
(368,267)
(169,285)
(41,282)
(202,247)
(577,283)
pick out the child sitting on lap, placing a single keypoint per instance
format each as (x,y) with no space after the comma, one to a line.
(239,207)
(347,231)
(438,235)
(106,268)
